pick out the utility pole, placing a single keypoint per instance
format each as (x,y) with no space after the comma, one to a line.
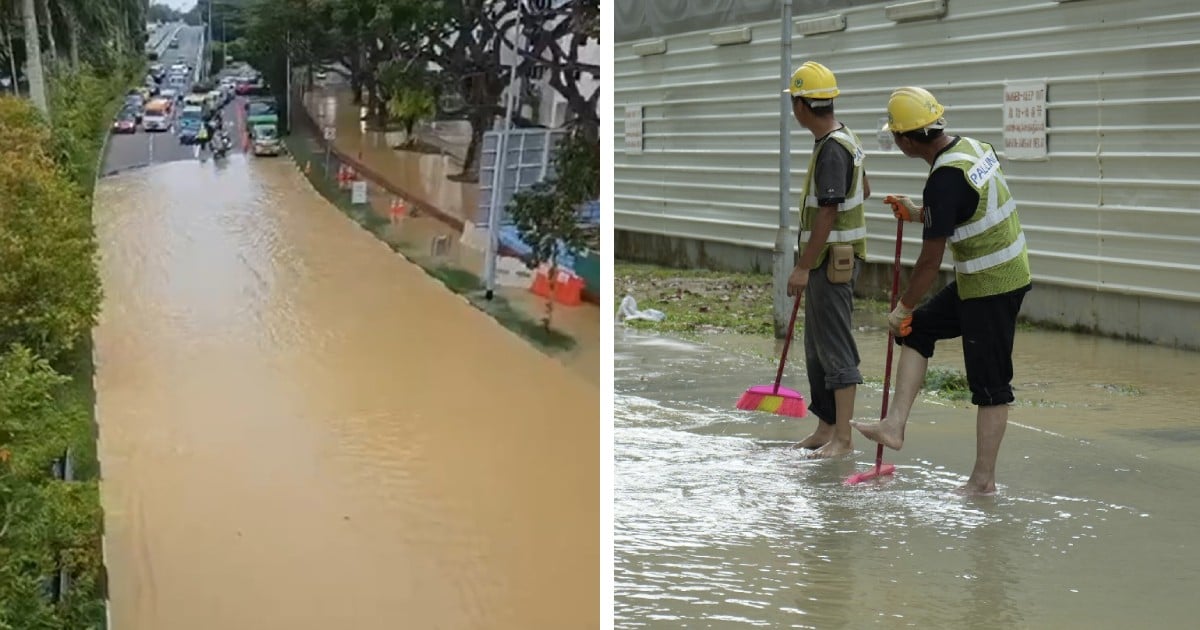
(784,258)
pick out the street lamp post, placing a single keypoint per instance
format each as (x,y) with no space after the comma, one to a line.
(494,210)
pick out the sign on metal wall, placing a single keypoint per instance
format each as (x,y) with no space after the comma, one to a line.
(1025,120)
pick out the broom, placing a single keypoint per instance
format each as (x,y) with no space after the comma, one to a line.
(881,468)
(773,398)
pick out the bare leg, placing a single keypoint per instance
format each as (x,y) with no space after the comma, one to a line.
(910,376)
(990,423)
(841,443)
(819,437)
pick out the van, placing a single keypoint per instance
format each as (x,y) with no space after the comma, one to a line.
(156,115)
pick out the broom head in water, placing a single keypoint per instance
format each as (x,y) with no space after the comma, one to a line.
(883,470)
(780,401)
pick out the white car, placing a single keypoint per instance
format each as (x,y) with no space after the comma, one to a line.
(156,122)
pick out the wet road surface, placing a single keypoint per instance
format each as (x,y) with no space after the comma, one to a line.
(143,148)
(300,430)
(719,524)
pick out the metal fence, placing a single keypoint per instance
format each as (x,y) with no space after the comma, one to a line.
(1111,213)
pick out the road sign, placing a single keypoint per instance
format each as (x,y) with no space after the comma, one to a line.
(358,192)
(330,133)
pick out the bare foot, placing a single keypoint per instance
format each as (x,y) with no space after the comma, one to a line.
(835,448)
(885,432)
(978,488)
(819,438)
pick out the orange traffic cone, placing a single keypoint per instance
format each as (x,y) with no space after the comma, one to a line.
(398,209)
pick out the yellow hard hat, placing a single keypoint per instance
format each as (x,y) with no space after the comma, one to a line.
(912,108)
(814,81)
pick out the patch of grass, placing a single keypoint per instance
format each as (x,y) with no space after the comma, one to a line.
(947,383)
(699,301)
(78,394)
(466,283)
(702,301)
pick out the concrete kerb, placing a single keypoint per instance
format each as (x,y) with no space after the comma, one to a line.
(420,204)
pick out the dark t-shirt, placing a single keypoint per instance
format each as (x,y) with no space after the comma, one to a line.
(833,173)
(949,199)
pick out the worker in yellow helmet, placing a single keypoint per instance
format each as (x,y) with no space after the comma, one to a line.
(833,240)
(968,207)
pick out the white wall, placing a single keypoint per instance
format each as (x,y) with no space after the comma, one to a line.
(1115,210)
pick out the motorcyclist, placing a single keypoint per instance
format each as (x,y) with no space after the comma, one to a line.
(202,136)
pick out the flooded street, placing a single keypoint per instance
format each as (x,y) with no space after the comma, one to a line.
(300,430)
(719,524)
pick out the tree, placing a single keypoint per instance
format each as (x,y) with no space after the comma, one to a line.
(33,56)
(547,214)
(410,106)
(465,42)
(556,36)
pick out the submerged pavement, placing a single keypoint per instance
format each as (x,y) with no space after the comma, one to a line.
(720,524)
(300,430)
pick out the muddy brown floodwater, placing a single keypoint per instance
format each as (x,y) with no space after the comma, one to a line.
(718,523)
(298,429)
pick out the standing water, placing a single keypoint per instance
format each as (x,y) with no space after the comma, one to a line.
(299,430)
(720,524)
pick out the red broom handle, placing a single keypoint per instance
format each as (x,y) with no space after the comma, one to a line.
(786,343)
(887,375)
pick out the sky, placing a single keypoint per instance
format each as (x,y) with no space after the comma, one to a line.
(178,5)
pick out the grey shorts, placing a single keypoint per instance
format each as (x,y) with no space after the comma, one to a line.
(830,353)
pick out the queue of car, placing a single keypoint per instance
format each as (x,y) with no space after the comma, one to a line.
(156,106)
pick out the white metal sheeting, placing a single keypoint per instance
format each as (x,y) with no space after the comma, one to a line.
(1114,208)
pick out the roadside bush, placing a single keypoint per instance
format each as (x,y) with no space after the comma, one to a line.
(49,300)
(49,286)
(82,104)
(43,521)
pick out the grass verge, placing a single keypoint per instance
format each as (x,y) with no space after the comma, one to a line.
(304,149)
(698,301)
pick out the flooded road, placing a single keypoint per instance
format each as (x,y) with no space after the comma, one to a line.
(719,524)
(299,430)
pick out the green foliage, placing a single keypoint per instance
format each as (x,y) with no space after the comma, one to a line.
(547,214)
(49,287)
(410,106)
(49,299)
(43,521)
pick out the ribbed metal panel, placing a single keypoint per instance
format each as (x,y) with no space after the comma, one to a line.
(1115,208)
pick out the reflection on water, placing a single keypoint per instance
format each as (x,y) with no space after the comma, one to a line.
(718,524)
(299,430)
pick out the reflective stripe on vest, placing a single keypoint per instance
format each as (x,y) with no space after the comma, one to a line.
(839,236)
(850,226)
(985,176)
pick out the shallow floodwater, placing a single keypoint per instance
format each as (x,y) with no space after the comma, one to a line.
(720,524)
(300,430)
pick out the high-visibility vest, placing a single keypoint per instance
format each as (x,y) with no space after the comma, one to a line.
(990,255)
(850,226)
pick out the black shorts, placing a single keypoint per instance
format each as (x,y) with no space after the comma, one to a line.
(987,326)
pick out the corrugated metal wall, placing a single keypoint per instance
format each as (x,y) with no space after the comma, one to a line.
(1115,208)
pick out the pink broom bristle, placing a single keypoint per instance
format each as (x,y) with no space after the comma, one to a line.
(793,407)
(785,402)
(749,401)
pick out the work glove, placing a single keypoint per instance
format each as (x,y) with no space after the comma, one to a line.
(904,209)
(900,320)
